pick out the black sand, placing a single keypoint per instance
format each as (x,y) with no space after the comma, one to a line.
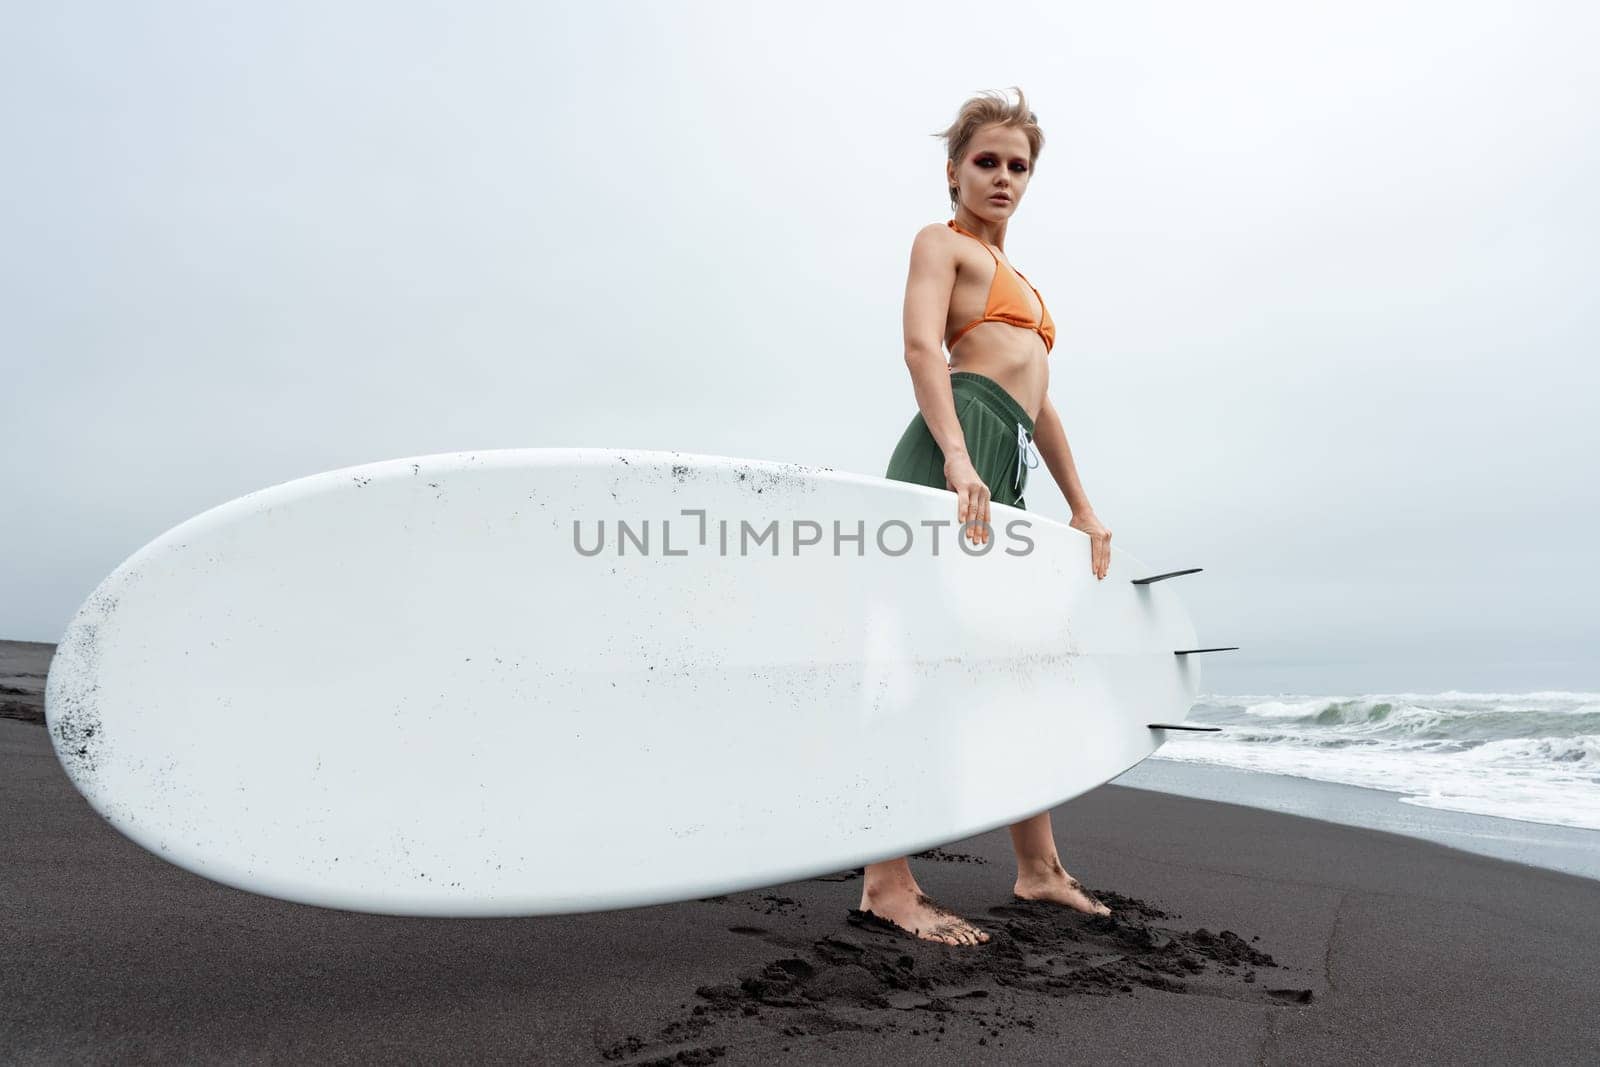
(1238,936)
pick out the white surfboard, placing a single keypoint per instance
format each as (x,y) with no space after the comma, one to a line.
(551,680)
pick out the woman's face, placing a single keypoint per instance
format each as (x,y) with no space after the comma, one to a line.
(993,173)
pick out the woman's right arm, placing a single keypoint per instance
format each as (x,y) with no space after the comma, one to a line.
(931,280)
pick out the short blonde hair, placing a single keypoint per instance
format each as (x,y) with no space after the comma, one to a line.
(991,107)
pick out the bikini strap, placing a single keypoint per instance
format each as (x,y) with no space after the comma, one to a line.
(954,226)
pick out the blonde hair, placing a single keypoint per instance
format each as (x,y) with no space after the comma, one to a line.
(991,107)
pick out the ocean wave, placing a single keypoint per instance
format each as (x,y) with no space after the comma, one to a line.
(1529,756)
(1536,699)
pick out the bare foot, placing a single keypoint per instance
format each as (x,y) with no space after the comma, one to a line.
(916,913)
(1054,884)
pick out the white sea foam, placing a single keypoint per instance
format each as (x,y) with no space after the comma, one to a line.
(1529,756)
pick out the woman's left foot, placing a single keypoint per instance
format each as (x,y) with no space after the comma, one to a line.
(1055,885)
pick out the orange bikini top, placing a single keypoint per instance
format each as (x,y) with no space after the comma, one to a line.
(1006,301)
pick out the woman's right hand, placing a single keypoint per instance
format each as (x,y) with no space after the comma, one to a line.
(972,497)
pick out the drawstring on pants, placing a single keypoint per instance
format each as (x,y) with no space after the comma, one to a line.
(1024,451)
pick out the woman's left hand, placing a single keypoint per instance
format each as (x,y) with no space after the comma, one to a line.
(1099,541)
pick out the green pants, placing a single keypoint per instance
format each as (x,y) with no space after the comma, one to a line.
(999,438)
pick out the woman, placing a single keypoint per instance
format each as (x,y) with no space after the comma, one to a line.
(978,418)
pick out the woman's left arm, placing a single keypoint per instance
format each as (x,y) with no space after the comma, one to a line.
(1050,437)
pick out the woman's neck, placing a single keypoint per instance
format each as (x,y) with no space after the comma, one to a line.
(984,230)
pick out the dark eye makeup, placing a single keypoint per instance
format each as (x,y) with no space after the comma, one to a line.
(985,160)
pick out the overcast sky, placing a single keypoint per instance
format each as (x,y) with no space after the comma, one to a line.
(1323,275)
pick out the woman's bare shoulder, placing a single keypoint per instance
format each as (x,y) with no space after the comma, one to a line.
(933,240)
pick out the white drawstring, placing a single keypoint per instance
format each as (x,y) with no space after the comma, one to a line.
(1024,450)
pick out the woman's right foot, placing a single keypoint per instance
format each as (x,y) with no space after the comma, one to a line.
(913,911)
(1050,881)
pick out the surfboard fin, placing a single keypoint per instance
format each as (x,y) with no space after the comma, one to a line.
(1185,726)
(1169,574)
(1192,651)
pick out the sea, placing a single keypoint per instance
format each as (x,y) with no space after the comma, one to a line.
(1515,775)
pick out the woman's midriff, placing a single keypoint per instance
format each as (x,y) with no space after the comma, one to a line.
(1019,364)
